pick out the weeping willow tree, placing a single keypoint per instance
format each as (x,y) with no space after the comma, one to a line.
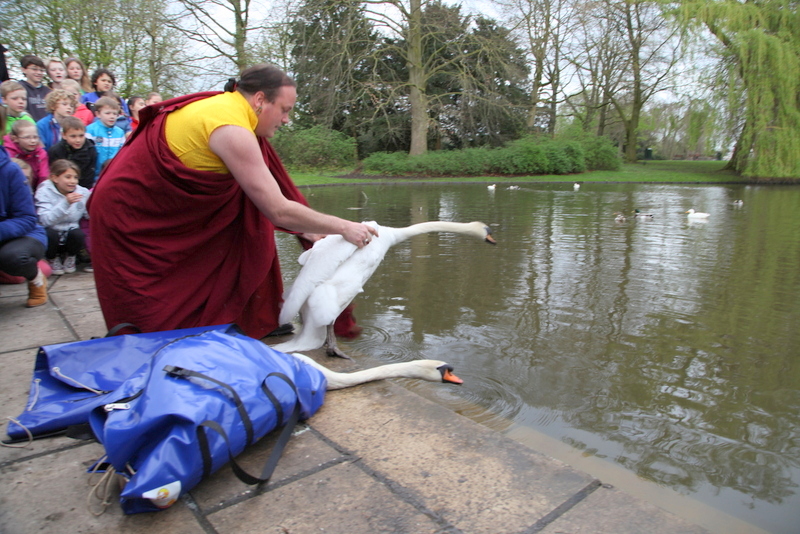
(761,43)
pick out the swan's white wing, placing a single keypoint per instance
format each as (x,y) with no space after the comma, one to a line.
(319,264)
(328,300)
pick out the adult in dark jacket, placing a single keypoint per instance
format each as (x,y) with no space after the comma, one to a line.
(75,147)
(22,240)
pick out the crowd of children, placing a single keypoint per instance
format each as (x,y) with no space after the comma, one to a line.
(55,138)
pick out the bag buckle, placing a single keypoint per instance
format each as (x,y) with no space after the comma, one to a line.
(117,406)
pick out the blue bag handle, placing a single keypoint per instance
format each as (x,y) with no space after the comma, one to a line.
(180,372)
(283,439)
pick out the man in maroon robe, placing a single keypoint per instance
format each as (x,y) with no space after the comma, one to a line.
(175,247)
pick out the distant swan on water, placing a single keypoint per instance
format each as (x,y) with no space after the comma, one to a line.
(697,214)
(335,271)
(430,370)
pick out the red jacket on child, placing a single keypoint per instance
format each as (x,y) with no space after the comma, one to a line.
(37,159)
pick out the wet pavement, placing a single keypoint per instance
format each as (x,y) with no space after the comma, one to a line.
(375,458)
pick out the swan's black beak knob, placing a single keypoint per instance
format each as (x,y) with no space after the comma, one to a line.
(448,376)
(489,238)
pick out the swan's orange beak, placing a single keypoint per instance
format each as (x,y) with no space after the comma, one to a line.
(489,238)
(448,376)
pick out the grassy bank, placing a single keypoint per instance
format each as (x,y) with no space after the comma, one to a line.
(651,171)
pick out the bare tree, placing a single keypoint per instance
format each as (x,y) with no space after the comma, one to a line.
(542,26)
(596,55)
(652,49)
(222,28)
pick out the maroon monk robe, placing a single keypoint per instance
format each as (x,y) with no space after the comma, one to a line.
(174,247)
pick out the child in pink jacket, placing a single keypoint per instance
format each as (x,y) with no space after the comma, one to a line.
(23,143)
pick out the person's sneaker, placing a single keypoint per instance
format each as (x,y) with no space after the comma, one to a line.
(56,266)
(88,268)
(69,264)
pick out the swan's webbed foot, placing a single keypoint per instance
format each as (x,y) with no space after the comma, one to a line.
(331,349)
(334,352)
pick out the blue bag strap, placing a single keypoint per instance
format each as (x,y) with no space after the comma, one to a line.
(122,326)
(180,372)
(272,461)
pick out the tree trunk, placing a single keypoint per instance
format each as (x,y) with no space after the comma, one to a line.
(416,79)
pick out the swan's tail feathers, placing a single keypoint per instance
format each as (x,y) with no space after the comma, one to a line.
(322,306)
(302,258)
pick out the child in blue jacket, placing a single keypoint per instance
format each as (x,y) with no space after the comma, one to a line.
(107,137)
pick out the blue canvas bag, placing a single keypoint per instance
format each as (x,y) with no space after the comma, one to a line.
(193,407)
(71,379)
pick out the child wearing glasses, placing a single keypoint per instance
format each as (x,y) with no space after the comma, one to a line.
(33,69)
(23,143)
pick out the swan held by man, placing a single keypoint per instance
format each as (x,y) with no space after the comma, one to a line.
(335,271)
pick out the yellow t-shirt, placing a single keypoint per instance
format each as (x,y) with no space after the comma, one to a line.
(188,129)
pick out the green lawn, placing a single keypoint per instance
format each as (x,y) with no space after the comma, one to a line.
(651,171)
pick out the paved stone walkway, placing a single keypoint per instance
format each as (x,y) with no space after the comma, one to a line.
(376,458)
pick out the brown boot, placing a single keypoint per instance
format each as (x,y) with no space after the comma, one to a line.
(37,291)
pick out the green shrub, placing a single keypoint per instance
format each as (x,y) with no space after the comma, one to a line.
(577,155)
(527,156)
(317,147)
(601,154)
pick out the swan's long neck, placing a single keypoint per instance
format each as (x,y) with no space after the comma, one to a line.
(346,380)
(392,370)
(432,226)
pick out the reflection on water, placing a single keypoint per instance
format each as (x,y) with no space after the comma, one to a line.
(665,346)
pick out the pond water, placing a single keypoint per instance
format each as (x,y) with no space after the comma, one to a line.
(667,348)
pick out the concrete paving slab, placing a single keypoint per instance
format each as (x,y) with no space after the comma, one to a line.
(610,510)
(75,301)
(49,494)
(70,282)
(341,499)
(22,327)
(88,325)
(472,476)
(14,290)
(82,310)
(304,453)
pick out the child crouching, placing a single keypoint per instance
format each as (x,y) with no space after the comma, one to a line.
(61,204)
